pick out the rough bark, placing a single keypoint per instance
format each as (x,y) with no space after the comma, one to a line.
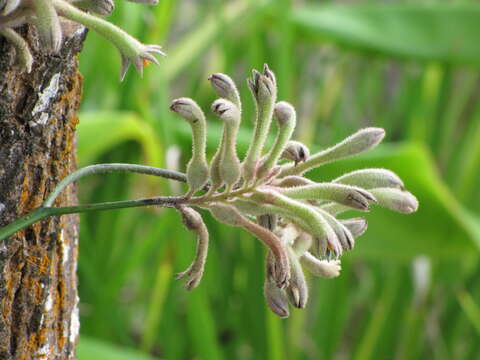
(38,284)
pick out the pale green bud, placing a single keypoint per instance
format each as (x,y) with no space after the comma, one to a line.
(371,178)
(197,168)
(361,141)
(396,199)
(264,91)
(225,87)
(302,243)
(229,165)
(286,120)
(352,196)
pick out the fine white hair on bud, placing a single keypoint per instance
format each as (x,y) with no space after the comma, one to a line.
(225,87)
(264,91)
(396,199)
(371,178)
(296,152)
(286,120)
(361,141)
(197,168)
(229,164)
(352,196)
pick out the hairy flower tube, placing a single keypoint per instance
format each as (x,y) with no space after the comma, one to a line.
(268,195)
(46,15)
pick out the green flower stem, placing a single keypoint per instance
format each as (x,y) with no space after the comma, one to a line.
(43,212)
(123,41)
(107,168)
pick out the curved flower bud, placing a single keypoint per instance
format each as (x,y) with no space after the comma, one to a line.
(24,57)
(225,87)
(357,143)
(286,120)
(297,289)
(395,199)
(322,268)
(275,297)
(352,196)
(230,216)
(316,225)
(229,164)
(197,168)
(48,24)
(344,235)
(371,178)
(131,50)
(193,221)
(264,91)
(296,152)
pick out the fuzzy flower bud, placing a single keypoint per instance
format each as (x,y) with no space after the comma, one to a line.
(225,87)
(396,199)
(264,90)
(322,268)
(296,152)
(371,178)
(359,142)
(197,168)
(194,222)
(48,24)
(229,164)
(286,120)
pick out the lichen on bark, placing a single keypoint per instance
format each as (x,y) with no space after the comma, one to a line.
(38,284)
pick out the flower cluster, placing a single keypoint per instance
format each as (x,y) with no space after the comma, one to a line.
(46,16)
(268,195)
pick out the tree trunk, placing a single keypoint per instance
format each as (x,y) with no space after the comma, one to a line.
(38,284)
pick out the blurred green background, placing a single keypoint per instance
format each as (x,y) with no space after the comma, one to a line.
(411,287)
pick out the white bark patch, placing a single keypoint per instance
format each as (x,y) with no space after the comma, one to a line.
(65,248)
(43,353)
(74,323)
(49,303)
(2,207)
(46,96)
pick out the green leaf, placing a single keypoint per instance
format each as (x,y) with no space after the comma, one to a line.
(100,131)
(440,228)
(92,349)
(437,32)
